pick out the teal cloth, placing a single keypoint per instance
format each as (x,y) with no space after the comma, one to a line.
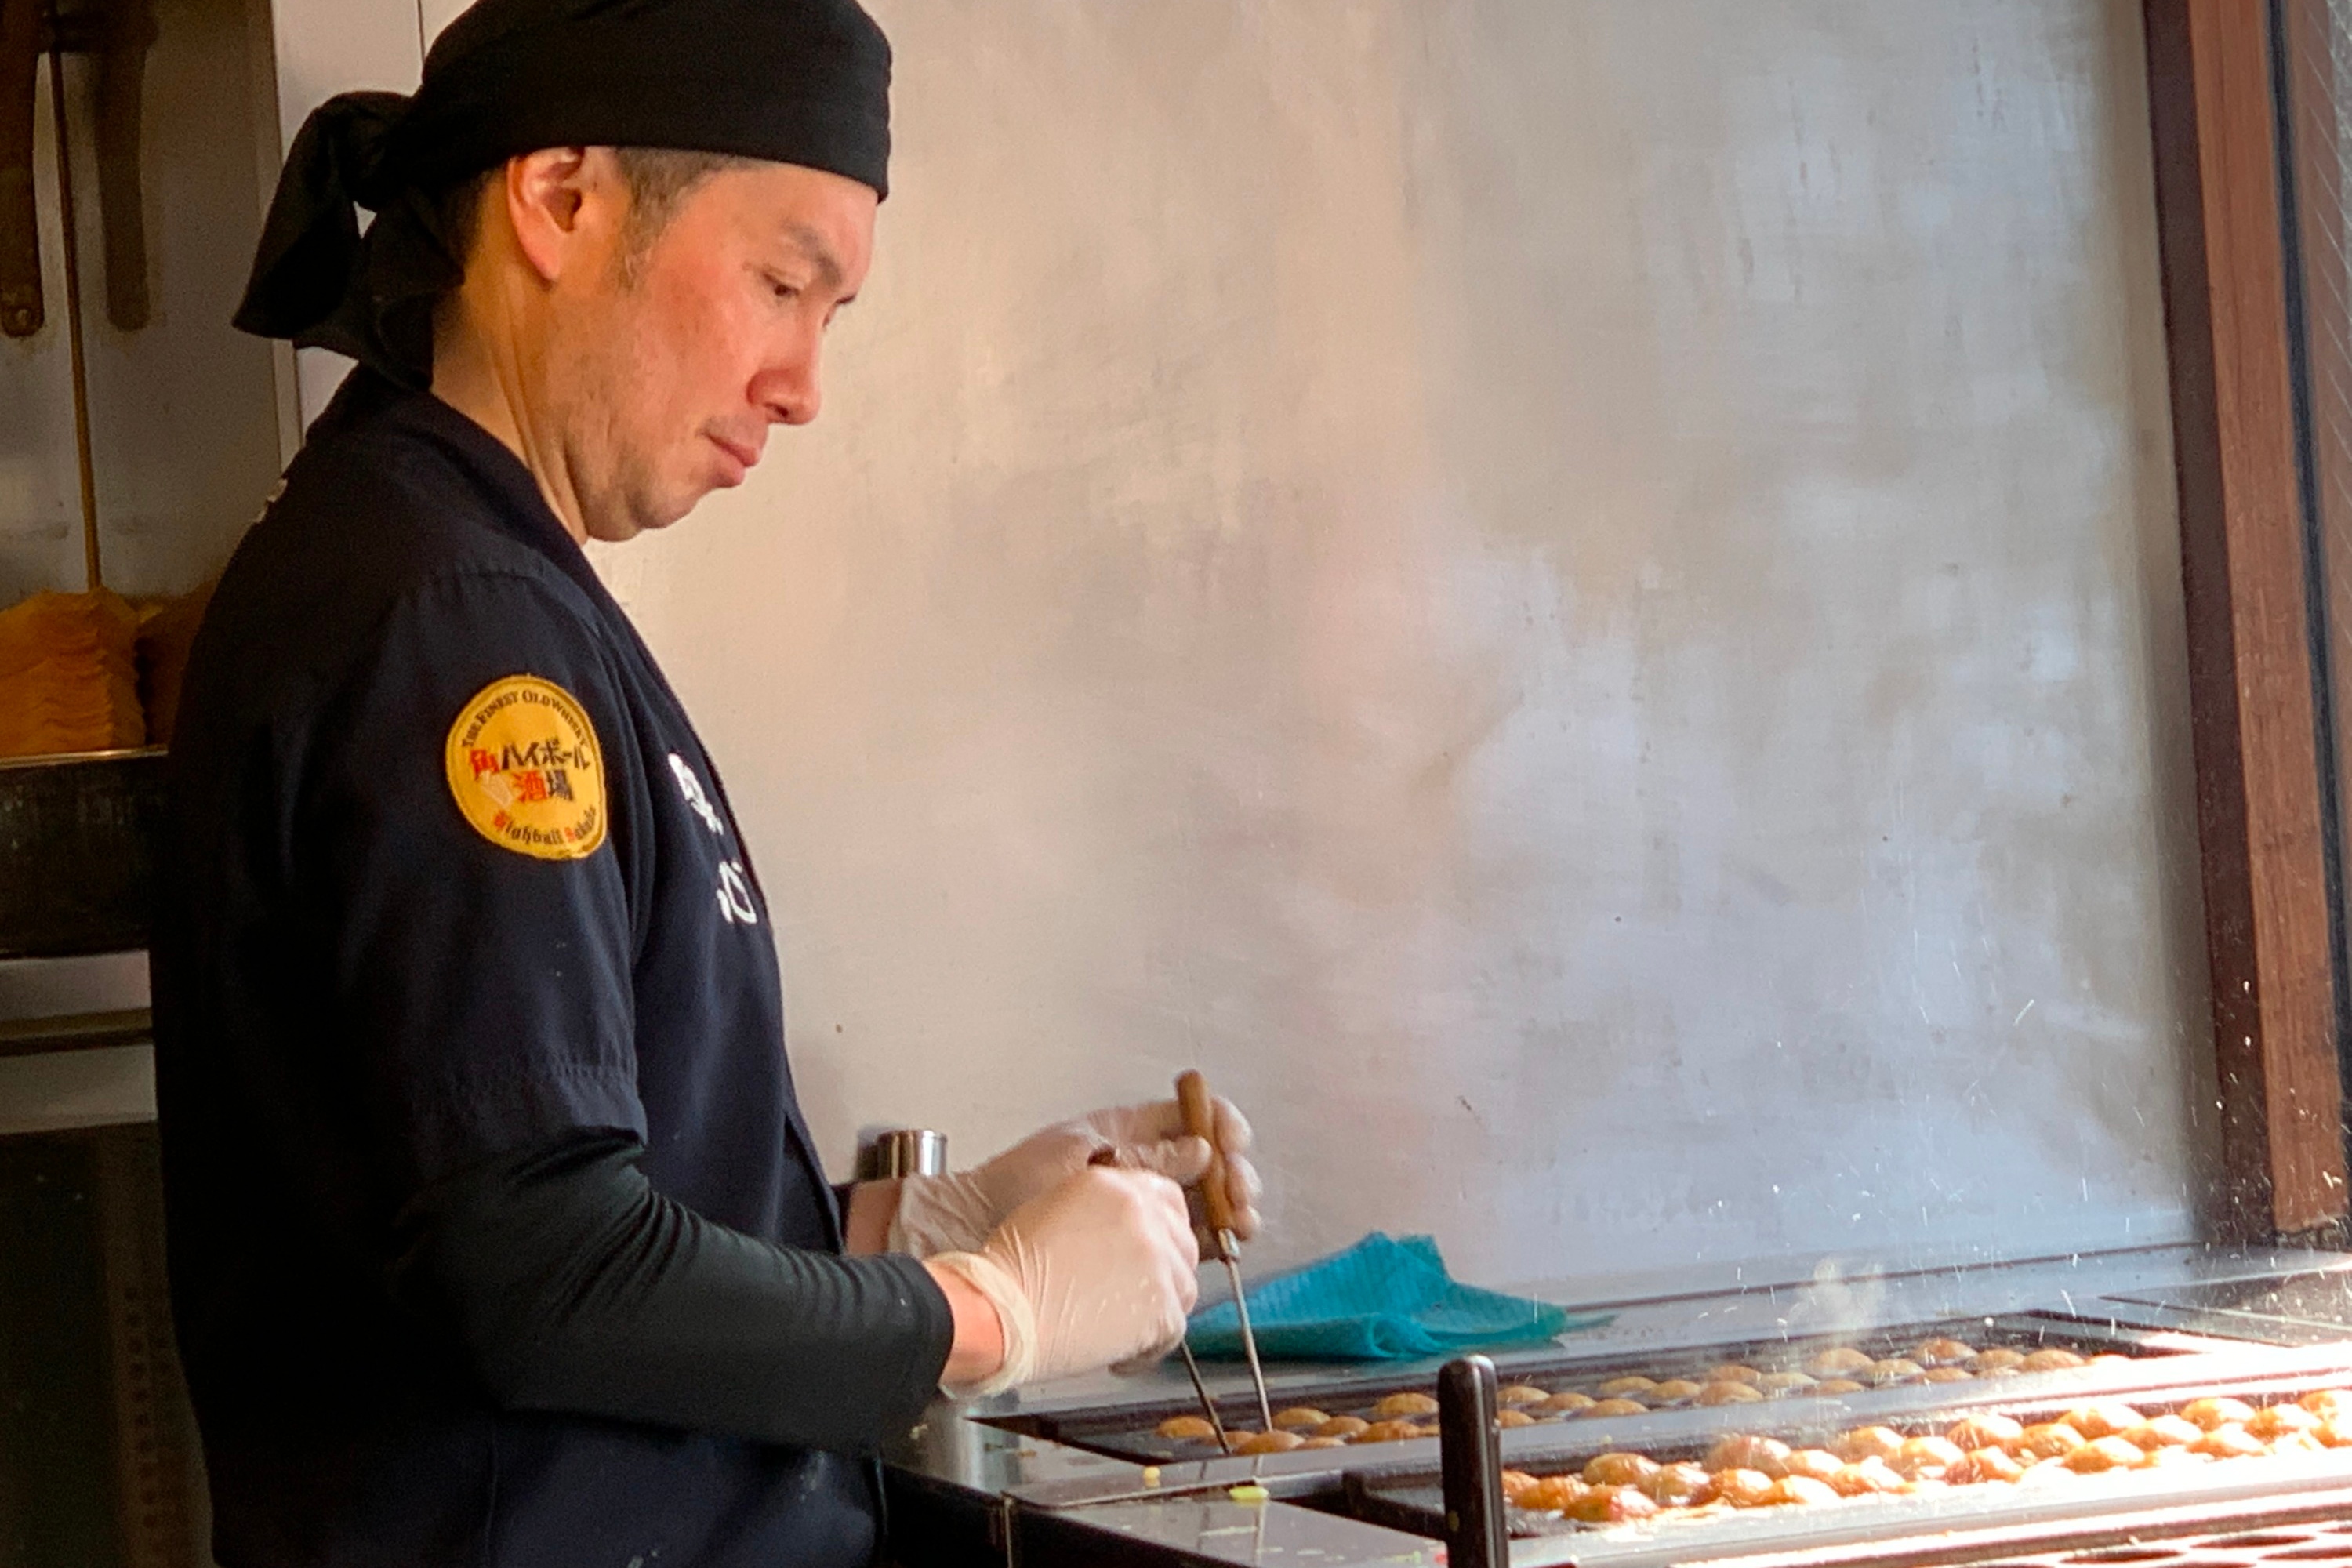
(1380,1299)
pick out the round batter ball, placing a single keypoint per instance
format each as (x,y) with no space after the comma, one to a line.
(2052,1360)
(1518,1393)
(1926,1458)
(2335,1431)
(1187,1429)
(1868,1478)
(1868,1443)
(2162,1432)
(1837,1362)
(2000,1359)
(1674,1391)
(1567,1404)
(2049,1440)
(2212,1414)
(1611,1505)
(1778,1384)
(2103,1420)
(1620,1469)
(1984,1431)
(1388,1432)
(1983,1464)
(1513,1418)
(1617,1407)
(1553,1493)
(1743,1488)
(2103,1454)
(1299,1415)
(1943,1352)
(1678,1485)
(2278,1420)
(1716,1394)
(2325,1402)
(1815,1464)
(1627,1387)
(1323,1442)
(1276,1442)
(1768,1457)
(1798,1491)
(1894,1368)
(2292,1443)
(1397,1406)
(1342,1428)
(2230,1443)
(1836,1385)
(1949,1374)
(1732,1372)
(1518,1485)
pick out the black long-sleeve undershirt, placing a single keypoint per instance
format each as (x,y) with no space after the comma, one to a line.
(573,1287)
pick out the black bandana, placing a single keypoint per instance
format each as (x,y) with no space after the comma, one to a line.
(793,81)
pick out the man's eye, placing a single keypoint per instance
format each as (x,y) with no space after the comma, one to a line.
(782,290)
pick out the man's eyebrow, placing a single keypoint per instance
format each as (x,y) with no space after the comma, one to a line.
(812,244)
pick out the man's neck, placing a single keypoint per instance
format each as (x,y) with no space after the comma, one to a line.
(481,374)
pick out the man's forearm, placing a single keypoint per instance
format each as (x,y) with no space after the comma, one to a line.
(577,1288)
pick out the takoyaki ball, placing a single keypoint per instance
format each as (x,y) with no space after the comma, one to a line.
(1983,1464)
(1718,1393)
(1868,1478)
(1943,1352)
(1517,1486)
(1342,1428)
(1732,1372)
(2335,1431)
(1512,1395)
(2163,1432)
(1768,1457)
(2103,1454)
(1868,1443)
(2212,1414)
(1926,1458)
(1743,1488)
(1553,1493)
(2002,1359)
(1835,1385)
(1611,1505)
(1626,1387)
(1388,1432)
(1607,1407)
(2296,1443)
(1798,1490)
(1970,1433)
(2049,1440)
(1618,1469)
(1275,1442)
(1323,1442)
(2052,1360)
(2103,1420)
(2276,1422)
(1567,1404)
(2326,1403)
(1893,1370)
(2111,1358)
(1298,1416)
(1779,1384)
(1187,1429)
(1398,1407)
(1513,1418)
(1679,1486)
(1837,1362)
(1949,1374)
(1672,1392)
(1818,1464)
(2232,1442)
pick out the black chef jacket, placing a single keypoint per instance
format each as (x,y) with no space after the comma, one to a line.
(449,875)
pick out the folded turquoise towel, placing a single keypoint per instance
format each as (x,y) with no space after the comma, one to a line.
(1380,1299)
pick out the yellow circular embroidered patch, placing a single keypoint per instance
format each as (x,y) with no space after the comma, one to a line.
(526,770)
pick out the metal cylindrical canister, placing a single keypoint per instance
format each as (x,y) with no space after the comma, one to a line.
(903,1151)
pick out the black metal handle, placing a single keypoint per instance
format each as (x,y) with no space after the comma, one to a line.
(1470,1458)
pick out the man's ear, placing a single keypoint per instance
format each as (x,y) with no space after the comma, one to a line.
(563,203)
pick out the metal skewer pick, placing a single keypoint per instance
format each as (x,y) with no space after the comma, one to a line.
(1201,1121)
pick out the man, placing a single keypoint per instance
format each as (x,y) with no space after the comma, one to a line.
(496,1234)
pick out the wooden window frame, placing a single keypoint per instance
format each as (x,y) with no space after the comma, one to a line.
(2258,690)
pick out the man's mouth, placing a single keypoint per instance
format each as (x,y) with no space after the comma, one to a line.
(742,457)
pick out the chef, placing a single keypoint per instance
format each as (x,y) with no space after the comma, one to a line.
(496,1234)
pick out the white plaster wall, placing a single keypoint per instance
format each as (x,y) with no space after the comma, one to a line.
(1579,602)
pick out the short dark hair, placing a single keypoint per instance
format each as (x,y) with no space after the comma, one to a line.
(658,179)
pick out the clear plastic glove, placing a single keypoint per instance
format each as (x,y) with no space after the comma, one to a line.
(957,1212)
(1100,1270)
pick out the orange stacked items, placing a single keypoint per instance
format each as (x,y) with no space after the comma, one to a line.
(69,675)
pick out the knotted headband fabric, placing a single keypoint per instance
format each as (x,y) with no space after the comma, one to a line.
(792,82)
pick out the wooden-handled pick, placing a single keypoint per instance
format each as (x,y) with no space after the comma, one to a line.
(1200,1112)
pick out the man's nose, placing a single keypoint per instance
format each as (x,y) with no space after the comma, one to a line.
(788,389)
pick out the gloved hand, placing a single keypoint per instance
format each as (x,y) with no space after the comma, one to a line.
(1100,1269)
(956,1213)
